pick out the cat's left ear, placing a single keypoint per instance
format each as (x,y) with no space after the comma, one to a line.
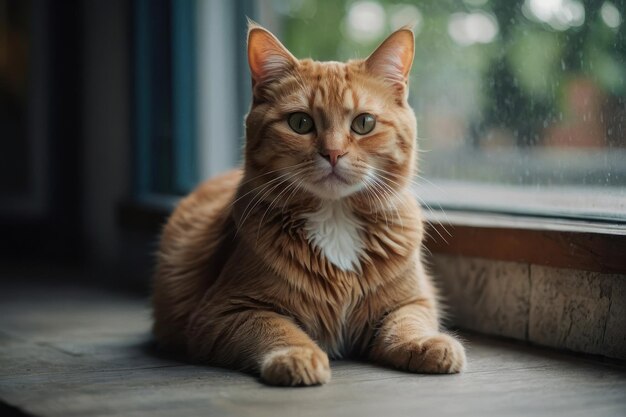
(267,57)
(392,60)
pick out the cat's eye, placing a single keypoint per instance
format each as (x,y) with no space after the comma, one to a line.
(363,123)
(301,123)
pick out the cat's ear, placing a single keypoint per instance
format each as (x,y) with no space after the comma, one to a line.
(267,57)
(392,60)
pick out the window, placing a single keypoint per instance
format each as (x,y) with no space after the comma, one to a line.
(191,91)
(521,105)
(157,153)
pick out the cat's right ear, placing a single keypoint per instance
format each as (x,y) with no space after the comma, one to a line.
(392,60)
(267,57)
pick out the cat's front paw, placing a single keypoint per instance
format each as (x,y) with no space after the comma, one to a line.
(438,354)
(296,366)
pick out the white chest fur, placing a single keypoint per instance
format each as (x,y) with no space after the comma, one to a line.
(334,229)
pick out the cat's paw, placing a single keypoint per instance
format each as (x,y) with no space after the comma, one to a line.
(296,366)
(438,354)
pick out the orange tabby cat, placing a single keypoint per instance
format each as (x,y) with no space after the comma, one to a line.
(314,249)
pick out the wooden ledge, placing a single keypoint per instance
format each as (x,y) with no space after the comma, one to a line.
(589,246)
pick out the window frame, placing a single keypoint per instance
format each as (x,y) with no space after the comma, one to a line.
(556,242)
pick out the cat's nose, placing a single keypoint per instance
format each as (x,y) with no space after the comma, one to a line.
(332,155)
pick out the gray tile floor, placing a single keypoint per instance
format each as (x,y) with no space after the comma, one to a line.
(71,351)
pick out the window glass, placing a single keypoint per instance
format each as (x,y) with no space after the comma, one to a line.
(521,105)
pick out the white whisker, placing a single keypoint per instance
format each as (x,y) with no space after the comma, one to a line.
(269,207)
(422,202)
(259,197)
(267,173)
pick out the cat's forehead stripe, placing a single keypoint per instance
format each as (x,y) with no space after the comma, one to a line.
(335,87)
(348,99)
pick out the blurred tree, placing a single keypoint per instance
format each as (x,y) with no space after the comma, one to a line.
(517,81)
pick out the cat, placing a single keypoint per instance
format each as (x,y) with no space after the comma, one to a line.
(313,249)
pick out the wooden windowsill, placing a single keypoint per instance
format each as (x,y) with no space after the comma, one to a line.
(574,244)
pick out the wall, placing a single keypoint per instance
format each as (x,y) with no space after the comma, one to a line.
(562,308)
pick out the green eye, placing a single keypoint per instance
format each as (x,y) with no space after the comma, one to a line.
(363,123)
(301,123)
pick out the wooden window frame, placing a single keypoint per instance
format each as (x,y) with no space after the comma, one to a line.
(561,243)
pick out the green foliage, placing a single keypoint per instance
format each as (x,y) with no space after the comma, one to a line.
(514,80)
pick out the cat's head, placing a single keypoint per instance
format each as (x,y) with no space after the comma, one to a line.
(330,129)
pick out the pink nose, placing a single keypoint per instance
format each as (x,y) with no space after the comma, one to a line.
(332,155)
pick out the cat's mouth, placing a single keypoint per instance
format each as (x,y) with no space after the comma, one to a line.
(331,183)
(334,185)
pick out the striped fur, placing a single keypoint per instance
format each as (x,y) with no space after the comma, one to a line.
(274,267)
